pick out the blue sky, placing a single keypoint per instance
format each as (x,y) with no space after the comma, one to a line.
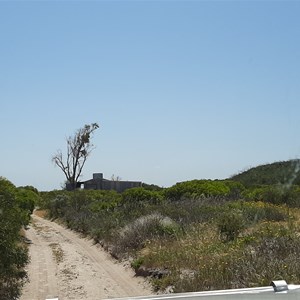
(180,89)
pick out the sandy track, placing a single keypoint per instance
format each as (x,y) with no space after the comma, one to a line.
(65,265)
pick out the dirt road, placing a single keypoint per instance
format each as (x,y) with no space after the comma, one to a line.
(69,267)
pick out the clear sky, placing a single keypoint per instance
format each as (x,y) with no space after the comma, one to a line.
(181,89)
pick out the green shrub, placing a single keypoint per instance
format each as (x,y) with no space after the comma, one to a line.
(137,263)
(254,212)
(13,255)
(254,193)
(27,199)
(104,200)
(230,224)
(58,206)
(275,194)
(282,172)
(196,189)
(189,211)
(135,196)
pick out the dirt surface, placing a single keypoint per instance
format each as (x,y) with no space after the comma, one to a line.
(67,266)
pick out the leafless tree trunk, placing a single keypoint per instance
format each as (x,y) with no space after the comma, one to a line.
(115,178)
(79,148)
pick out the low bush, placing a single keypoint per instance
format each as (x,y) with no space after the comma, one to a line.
(27,199)
(204,209)
(230,224)
(195,189)
(135,235)
(275,194)
(135,196)
(103,224)
(256,211)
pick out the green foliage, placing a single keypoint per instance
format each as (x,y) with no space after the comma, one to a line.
(284,173)
(47,197)
(27,199)
(276,194)
(230,224)
(151,187)
(29,188)
(104,200)
(58,205)
(254,193)
(88,211)
(137,263)
(254,212)
(236,189)
(13,256)
(195,189)
(103,224)
(138,195)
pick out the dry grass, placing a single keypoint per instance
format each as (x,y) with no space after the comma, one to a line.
(58,253)
(40,213)
(200,260)
(22,232)
(136,235)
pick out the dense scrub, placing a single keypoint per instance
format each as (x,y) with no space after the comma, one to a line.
(196,235)
(284,173)
(196,189)
(16,205)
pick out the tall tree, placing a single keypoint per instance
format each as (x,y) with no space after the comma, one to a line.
(79,147)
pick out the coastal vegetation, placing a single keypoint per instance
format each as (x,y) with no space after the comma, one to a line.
(16,205)
(195,235)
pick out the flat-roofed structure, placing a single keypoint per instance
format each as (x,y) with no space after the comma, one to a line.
(100,183)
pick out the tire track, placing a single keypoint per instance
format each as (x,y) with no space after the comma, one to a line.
(41,269)
(82,271)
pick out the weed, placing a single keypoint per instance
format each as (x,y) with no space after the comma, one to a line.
(57,252)
(230,224)
(137,234)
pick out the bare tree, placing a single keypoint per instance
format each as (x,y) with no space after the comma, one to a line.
(79,147)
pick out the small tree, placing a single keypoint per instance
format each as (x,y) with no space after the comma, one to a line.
(79,147)
(230,224)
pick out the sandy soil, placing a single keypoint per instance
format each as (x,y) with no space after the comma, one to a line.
(67,266)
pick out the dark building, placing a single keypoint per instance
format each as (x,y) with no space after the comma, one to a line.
(99,183)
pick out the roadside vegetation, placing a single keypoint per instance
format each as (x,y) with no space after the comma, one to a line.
(16,205)
(196,235)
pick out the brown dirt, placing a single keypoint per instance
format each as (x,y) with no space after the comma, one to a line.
(65,265)
(40,213)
